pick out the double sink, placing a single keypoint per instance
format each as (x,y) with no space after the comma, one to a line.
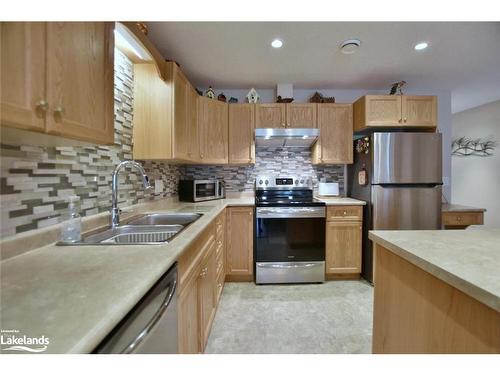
(147,229)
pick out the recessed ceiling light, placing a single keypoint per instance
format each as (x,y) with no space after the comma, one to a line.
(276,43)
(348,47)
(422,45)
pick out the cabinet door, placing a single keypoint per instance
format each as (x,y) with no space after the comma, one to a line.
(180,107)
(152,114)
(22,71)
(213,131)
(335,140)
(419,111)
(188,319)
(80,76)
(206,295)
(193,147)
(383,110)
(239,237)
(343,248)
(241,133)
(301,115)
(270,115)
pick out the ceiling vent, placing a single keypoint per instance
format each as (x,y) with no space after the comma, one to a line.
(348,47)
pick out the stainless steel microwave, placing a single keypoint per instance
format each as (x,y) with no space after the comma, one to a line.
(201,190)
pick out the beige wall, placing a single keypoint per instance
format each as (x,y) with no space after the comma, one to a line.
(476,180)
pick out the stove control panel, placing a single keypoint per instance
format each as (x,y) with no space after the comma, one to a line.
(290,182)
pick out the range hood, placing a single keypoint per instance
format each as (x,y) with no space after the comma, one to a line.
(279,137)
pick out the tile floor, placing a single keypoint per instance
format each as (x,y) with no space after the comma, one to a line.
(334,317)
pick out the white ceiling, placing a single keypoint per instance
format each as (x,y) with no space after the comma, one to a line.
(462,57)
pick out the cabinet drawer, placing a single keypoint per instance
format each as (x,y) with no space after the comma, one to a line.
(344,213)
(462,218)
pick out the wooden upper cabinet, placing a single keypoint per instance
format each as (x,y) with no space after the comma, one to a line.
(241,133)
(152,114)
(22,92)
(301,115)
(270,115)
(239,237)
(80,74)
(180,107)
(335,143)
(419,110)
(395,111)
(213,131)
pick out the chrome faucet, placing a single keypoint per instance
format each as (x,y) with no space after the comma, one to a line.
(115,211)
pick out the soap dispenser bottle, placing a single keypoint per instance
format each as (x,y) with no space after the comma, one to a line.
(71,227)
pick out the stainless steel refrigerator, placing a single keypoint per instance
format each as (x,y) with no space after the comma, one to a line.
(399,175)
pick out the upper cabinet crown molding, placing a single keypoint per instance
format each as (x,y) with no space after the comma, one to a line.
(395,111)
(57,78)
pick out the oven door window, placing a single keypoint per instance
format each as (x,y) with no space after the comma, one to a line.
(290,239)
(205,190)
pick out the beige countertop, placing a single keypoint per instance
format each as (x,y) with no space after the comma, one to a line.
(469,260)
(75,295)
(340,201)
(448,207)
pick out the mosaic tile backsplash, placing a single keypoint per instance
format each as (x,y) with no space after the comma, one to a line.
(268,161)
(36,181)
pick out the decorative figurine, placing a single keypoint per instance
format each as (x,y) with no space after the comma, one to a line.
(319,98)
(397,88)
(279,99)
(221,97)
(233,100)
(252,96)
(210,93)
(316,98)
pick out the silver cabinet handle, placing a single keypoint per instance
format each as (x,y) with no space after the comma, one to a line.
(42,105)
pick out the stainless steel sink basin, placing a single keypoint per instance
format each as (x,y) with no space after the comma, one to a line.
(165,219)
(146,229)
(130,235)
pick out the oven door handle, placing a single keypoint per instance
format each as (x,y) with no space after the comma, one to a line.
(289,212)
(286,266)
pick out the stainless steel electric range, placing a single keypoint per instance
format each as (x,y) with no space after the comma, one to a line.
(289,231)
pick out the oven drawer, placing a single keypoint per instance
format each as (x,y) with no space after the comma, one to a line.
(289,272)
(289,212)
(344,213)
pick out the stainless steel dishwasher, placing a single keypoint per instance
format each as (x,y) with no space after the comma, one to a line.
(151,326)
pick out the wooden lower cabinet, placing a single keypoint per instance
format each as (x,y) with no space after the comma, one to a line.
(201,280)
(343,241)
(239,250)
(206,295)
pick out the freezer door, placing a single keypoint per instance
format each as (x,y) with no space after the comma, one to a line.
(406,158)
(406,207)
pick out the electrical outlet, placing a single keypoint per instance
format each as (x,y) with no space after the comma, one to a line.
(159,186)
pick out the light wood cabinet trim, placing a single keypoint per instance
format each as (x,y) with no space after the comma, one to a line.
(415,312)
(241,133)
(22,72)
(270,115)
(188,317)
(81,52)
(239,241)
(159,61)
(207,295)
(301,115)
(180,112)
